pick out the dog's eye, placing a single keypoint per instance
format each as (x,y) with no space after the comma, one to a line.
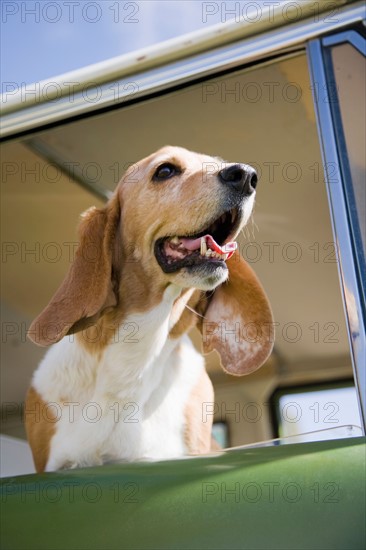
(165,171)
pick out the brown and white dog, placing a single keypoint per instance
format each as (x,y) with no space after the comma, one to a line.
(150,265)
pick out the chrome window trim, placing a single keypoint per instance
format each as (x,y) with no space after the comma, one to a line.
(348,36)
(359,43)
(26,114)
(351,292)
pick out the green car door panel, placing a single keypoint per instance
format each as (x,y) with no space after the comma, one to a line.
(309,495)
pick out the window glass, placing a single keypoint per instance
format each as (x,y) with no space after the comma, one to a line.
(220,432)
(349,72)
(317,409)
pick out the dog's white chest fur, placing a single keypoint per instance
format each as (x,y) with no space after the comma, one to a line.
(133,401)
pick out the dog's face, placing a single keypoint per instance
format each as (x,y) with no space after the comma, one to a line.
(180,212)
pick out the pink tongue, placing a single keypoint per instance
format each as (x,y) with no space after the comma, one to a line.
(195,244)
(191,244)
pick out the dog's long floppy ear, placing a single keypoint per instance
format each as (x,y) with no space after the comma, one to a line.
(238,321)
(87,288)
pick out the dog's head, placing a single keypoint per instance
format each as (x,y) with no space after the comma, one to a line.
(181,210)
(172,220)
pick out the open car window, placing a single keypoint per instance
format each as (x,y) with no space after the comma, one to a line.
(263,116)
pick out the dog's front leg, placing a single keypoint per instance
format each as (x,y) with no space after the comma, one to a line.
(93,434)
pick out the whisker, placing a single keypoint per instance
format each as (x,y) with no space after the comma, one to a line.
(194,311)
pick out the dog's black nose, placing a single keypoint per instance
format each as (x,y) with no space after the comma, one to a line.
(241,177)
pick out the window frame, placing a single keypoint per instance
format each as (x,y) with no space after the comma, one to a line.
(125,80)
(330,130)
(359,44)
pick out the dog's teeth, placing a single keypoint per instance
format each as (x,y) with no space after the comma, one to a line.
(174,240)
(233,216)
(203,246)
(208,253)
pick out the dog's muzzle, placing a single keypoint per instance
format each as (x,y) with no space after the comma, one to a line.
(211,246)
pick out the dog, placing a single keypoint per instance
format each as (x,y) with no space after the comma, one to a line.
(122,380)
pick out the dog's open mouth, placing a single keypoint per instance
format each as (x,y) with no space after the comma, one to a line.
(212,245)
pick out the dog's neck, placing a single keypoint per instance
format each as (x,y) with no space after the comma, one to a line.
(141,310)
(139,345)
